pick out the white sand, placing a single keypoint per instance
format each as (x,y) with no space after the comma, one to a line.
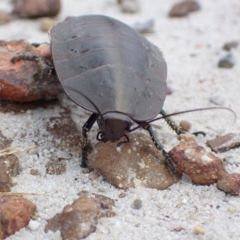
(193,80)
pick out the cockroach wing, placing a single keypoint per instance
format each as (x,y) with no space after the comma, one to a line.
(110,63)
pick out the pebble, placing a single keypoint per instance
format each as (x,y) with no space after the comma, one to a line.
(226,61)
(217,100)
(129,6)
(125,169)
(230,184)
(33,225)
(196,162)
(229,45)
(145,27)
(198,230)
(183,8)
(225,142)
(137,204)
(185,125)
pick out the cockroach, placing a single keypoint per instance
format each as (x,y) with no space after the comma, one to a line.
(109,69)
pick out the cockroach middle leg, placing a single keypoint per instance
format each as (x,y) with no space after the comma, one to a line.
(85,129)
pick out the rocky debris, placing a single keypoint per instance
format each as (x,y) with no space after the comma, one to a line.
(36,8)
(185,125)
(34,171)
(80,218)
(46,23)
(192,159)
(129,6)
(106,204)
(226,61)
(198,230)
(66,136)
(183,8)
(144,27)
(224,143)
(5,17)
(25,81)
(9,165)
(15,213)
(137,163)
(230,183)
(55,168)
(229,45)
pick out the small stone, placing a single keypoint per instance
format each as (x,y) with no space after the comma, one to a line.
(144,166)
(185,125)
(217,100)
(192,159)
(93,175)
(33,225)
(183,8)
(129,6)
(178,229)
(224,143)
(46,23)
(137,204)
(5,17)
(198,230)
(226,61)
(55,168)
(122,195)
(15,213)
(9,167)
(86,170)
(230,183)
(36,8)
(144,27)
(77,220)
(34,171)
(229,45)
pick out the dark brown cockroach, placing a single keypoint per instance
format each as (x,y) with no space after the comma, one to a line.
(122,73)
(112,71)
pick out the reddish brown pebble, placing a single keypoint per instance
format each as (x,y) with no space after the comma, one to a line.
(33,171)
(230,183)
(77,220)
(185,125)
(137,163)
(225,142)
(25,81)
(15,213)
(122,195)
(182,9)
(36,8)
(229,45)
(55,168)
(192,159)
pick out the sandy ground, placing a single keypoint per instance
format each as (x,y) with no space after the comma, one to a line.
(192,47)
